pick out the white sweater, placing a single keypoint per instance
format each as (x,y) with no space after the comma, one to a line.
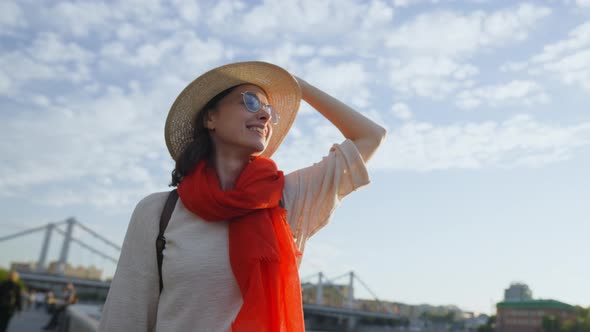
(200,292)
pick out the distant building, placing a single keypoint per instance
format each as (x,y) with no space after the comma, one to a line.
(333,295)
(527,315)
(90,272)
(82,272)
(518,292)
(376,306)
(23,266)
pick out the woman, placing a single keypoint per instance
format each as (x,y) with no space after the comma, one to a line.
(230,262)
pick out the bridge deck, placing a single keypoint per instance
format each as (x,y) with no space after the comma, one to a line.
(28,321)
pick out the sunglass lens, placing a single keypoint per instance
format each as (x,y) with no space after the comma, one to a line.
(252,102)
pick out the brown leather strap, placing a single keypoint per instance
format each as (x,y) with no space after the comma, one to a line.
(161,240)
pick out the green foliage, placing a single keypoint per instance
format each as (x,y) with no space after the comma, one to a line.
(4,276)
(489,326)
(580,324)
(551,324)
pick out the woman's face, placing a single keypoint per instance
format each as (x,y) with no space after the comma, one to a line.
(234,129)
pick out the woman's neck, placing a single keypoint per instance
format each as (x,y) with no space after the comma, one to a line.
(228,168)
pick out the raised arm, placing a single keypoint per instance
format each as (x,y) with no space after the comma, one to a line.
(366,134)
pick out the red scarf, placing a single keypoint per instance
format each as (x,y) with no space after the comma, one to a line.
(262,252)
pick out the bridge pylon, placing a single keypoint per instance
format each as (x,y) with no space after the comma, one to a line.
(65,249)
(45,248)
(319,295)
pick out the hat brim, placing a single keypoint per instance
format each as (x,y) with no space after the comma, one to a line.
(280,86)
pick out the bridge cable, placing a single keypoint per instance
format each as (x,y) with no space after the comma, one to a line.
(82,244)
(387,308)
(339,277)
(98,236)
(27,231)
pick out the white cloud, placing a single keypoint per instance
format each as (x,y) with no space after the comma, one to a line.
(583,3)
(182,53)
(348,80)
(287,53)
(128,32)
(577,39)
(11,17)
(129,20)
(514,92)
(224,11)
(81,17)
(150,54)
(568,59)
(198,55)
(400,3)
(453,34)
(401,111)
(51,48)
(101,151)
(431,48)
(520,141)
(328,51)
(17,69)
(434,77)
(189,10)
(47,58)
(352,25)
(573,69)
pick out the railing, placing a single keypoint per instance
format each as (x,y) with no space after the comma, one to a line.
(80,318)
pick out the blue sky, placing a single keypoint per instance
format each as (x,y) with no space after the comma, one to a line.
(482,179)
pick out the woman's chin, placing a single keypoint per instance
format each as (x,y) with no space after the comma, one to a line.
(258,149)
(258,152)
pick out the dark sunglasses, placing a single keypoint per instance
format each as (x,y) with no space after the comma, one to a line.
(253,104)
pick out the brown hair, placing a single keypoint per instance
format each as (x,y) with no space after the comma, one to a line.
(202,146)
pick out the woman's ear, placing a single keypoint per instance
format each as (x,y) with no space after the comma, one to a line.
(209,120)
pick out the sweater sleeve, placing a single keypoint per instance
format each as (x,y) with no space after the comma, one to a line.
(312,194)
(132,301)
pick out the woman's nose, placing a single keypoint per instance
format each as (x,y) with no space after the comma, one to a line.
(263,114)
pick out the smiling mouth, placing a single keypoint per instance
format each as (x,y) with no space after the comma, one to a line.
(257,130)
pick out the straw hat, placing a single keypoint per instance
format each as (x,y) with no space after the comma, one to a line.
(281,88)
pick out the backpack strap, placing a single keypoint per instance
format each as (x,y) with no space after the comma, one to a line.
(161,240)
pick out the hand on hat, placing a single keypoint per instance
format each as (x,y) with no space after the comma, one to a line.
(363,132)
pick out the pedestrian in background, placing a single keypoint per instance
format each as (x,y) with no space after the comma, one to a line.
(50,302)
(31,299)
(68,297)
(40,300)
(10,299)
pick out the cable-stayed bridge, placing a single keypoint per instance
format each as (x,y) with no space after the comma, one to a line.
(69,223)
(328,303)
